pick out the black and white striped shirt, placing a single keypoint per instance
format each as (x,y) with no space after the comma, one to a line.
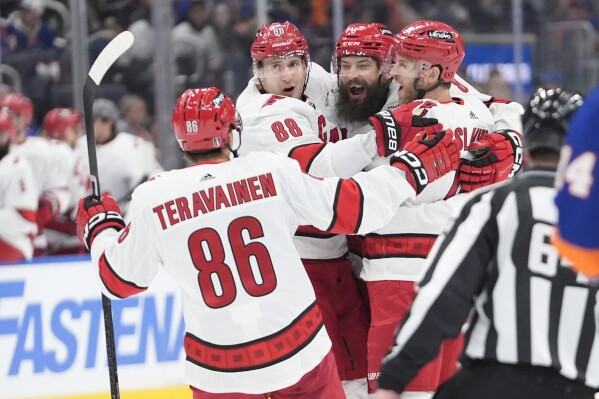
(529,306)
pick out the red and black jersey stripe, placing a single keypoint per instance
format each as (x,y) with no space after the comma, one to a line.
(378,246)
(305,154)
(313,232)
(260,353)
(348,207)
(494,100)
(116,285)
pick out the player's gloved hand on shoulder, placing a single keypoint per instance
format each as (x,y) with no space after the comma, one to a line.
(497,157)
(47,209)
(426,158)
(396,127)
(96,215)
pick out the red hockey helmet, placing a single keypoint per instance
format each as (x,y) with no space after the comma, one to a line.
(58,120)
(369,40)
(279,40)
(435,43)
(8,130)
(19,105)
(202,119)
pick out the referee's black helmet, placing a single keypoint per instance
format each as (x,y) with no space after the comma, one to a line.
(545,119)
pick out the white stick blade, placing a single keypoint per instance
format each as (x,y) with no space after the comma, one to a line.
(117,46)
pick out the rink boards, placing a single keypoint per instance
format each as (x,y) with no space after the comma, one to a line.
(52,342)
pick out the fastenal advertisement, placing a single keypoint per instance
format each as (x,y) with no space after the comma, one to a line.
(52,342)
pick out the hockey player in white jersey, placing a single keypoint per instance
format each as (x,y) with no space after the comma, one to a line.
(124,160)
(279,117)
(51,184)
(428,56)
(63,127)
(18,199)
(223,230)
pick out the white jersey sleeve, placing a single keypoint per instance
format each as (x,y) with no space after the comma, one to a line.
(18,205)
(290,126)
(507,114)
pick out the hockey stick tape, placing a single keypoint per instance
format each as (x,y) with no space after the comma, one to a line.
(113,50)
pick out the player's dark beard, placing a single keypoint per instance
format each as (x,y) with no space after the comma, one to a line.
(359,111)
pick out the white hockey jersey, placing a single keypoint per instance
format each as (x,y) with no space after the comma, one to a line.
(18,206)
(295,128)
(398,250)
(123,163)
(223,231)
(61,231)
(507,114)
(45,164)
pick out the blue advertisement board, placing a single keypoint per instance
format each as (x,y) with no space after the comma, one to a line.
(482,58)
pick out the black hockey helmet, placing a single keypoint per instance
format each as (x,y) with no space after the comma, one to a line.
(545,119)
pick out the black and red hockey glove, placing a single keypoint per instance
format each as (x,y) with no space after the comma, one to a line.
(426,159)
(94,216)
(396,127)
(500,157)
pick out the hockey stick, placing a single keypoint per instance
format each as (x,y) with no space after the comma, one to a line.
(107,57)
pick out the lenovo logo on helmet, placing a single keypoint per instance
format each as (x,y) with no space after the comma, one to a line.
(282,44)
(440,34)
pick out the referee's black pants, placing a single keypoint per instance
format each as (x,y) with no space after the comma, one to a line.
(478,379)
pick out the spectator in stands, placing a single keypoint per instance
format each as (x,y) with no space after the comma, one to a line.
(234,44)
(32,51)
(134,115)
(196,46)
(27,30)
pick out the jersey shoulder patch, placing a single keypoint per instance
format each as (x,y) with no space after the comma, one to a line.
(272,99)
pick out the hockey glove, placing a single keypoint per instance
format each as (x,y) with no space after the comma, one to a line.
(95,216)
(426,160)
(499,157)
(398,126)
(47,209)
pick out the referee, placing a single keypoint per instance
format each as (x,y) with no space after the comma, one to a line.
(534,329)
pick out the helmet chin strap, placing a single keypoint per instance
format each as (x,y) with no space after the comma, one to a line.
(306,80)
(234,151)
(420,93)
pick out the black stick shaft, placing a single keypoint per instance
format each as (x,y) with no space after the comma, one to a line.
(89,94)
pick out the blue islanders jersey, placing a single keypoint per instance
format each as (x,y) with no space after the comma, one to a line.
(577,236)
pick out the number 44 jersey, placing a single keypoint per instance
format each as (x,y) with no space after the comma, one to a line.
(577,236)
(224,232)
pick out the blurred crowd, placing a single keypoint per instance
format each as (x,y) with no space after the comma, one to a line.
(211,39)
